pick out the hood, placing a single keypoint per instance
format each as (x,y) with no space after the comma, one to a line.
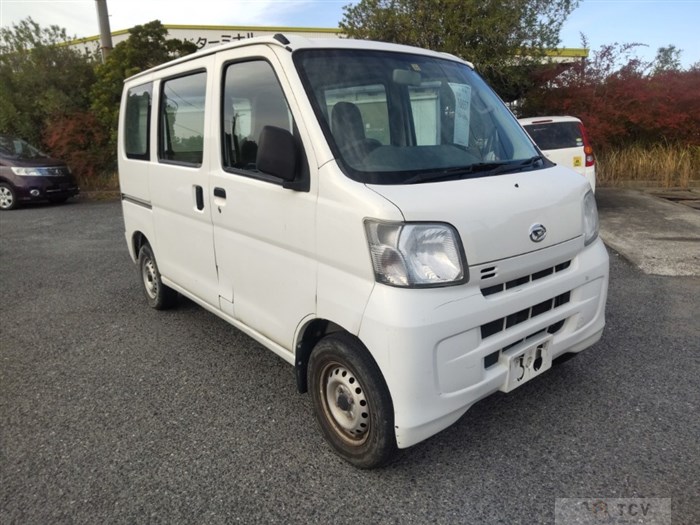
(494,215)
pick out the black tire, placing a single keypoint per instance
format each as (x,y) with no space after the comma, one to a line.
(157,294)
(8,199)
(351,401)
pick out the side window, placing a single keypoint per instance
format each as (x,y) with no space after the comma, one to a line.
(137,123)
(252,99)
(181,133)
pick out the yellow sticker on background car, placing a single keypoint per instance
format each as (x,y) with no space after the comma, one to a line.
(578,162)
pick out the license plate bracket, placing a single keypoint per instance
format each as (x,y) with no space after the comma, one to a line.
(525,361)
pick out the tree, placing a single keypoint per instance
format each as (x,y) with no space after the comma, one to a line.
(146,47)
(81,141)
(40,79)
(624,100)
(505,39)
(667,59)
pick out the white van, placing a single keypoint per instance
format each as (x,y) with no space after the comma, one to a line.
(371,213)
(564,141)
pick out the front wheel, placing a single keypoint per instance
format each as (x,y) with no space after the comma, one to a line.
(158,295)
(351,401)
(8,201)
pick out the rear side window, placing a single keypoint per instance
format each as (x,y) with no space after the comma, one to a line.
(556,135)
(181,134)
(252,99)
(137,124)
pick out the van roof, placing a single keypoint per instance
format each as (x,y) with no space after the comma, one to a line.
(294,42)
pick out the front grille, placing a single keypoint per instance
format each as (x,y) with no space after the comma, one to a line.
(492,358)
(525,279)
(58,171)
(498,325)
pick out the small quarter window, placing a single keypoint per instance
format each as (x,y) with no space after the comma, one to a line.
(137,124)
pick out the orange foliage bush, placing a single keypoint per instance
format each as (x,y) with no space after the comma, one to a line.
(624,106)
(80,140)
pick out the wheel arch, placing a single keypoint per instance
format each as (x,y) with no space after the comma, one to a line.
(138,239)
(343,374)
(309,335)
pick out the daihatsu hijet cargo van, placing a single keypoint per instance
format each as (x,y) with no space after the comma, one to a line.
(371,213)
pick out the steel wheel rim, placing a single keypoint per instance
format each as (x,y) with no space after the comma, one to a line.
(344,403)
(150,277)
(5,198)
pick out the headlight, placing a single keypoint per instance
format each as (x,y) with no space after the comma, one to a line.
(27,172)
(590,218)
(416,254)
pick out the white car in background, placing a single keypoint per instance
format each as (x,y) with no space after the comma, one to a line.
(564,141)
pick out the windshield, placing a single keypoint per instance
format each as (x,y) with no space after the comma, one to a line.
(395,118)
(18,149)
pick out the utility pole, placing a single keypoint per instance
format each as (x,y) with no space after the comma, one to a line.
(105,33)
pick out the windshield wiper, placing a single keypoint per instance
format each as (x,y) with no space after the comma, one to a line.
(519,165)
(481,168)
(457,173)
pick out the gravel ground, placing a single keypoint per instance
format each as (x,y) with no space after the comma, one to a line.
(111,412)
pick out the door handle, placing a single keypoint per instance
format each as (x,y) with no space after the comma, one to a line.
(199,197)
(220,192)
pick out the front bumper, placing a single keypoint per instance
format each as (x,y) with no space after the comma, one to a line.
(439,348)
(46,188)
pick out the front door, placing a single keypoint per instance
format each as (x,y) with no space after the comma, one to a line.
(264,234)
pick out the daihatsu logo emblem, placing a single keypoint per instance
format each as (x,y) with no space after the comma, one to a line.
(537,232)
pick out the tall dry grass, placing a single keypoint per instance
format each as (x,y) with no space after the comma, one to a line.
(663,165)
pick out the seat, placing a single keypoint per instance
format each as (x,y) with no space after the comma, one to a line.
(349,131)
(346,124)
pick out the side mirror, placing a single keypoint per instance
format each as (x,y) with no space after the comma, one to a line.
(277,153)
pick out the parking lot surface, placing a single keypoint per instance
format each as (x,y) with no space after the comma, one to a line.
(111,412)
(659,236)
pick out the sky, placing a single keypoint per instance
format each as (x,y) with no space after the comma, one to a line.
(653,23)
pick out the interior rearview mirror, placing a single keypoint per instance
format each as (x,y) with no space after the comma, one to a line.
(405,77)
